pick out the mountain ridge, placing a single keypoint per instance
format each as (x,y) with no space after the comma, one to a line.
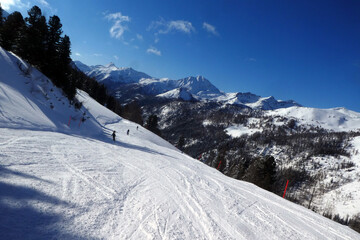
(200,87)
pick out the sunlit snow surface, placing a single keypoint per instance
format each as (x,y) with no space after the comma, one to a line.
(74,182)
(55,184)
(336,119)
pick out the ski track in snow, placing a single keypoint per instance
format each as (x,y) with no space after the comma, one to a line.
(104,190)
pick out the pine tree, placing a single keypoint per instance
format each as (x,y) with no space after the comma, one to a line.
(354,223)
(132,112)
(35,39)
(152,124)
(63,76)
(53,45)
(181,142)
(262,172)
(1,24)
(1,19)
(113,105)
(12,32)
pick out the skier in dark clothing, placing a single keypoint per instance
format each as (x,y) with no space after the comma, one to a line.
(113,135)
(128,131)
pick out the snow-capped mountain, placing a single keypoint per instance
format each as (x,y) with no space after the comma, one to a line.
(200,87)
(138,84)
(255,102)
(177,94)
(57,181)
(111,74)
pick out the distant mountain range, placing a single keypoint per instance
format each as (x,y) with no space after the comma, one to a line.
(125,83)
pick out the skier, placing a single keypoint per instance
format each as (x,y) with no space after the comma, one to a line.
(128,131)
(137,127)
(113,135)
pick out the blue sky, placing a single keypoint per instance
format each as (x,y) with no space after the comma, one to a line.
(308,51)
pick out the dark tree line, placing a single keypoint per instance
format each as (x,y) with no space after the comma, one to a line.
(152,124)
(42,44)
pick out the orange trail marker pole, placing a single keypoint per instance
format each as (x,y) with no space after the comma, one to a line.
(286,188)
(219,165)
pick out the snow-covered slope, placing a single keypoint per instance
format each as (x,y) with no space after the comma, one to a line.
(344,198)
(61,186)
(178,93)
(29,100)
(336,119)
(56,185)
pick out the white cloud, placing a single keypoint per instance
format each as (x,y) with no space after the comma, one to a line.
(44,3)
(165,27)
(139,37)
(182,26)
(6,4)
(152,50)
(77,54)
(116,57)
(210,28)
(119,24)
(97,54)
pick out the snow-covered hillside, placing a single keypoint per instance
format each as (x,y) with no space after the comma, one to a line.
(178,93)
(57,183)
(29,100)
(336,119)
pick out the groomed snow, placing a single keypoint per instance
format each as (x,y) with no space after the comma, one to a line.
(63,186)
(57,184)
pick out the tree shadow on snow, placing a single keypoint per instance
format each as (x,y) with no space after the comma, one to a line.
(19,220)
(7,172)
(106,138)
(142,149)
